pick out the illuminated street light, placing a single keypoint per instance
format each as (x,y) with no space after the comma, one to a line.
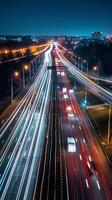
(35,62)
(82,63)
(96,69)
(32,66)
(85,61)
(6,51)
(25,68)
(75,60)
(109,124)
(16,75)
(85,95)
(79,62)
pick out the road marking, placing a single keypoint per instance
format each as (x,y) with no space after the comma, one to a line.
(80,157)
(98,185)
(84,141)
(9,155)
(90,158)
(2,141)
(87,183)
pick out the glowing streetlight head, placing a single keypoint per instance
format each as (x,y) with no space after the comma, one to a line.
(95,68)
(6,51)
(26,67)
(16,74)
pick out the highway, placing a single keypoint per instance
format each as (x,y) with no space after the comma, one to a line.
(91,74)
(49,150)
(51,183)
(21,154)
(89,174)
(42,48)
(96,89)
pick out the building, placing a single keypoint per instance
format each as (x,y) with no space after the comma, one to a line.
(109,38)
(97,36)
(14,38)
(61,38)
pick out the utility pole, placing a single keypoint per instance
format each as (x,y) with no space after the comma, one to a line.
(109,124)
(12,90)
(23,78)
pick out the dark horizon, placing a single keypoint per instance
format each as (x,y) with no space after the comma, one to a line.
(57,35)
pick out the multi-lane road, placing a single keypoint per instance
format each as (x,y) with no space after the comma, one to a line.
(48,149)
(99,91)
(89,175)
(22,138)
(52,177)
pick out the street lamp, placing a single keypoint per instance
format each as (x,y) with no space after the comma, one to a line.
(15,74)
(85,94)
(35,63)
(25,68)
(32,66)
(85,61)
(96,69)
(109,124)
(79,62)
(82,62)
(75,60)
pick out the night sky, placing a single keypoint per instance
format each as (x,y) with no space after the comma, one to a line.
(55,17)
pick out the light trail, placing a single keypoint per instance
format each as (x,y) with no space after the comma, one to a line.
(96,89)
(30,139)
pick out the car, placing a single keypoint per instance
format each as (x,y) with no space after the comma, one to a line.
(70,114)
(71,145)
(91,167)
(65,96)
(63,73)
(69,108)
(64,90)
(71,91)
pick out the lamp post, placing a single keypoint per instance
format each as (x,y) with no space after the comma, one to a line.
(85,95)
(75,60)
(109,124)
(79,62)
(96,69)
(82,62)
(32,66)
(25,68)
(35,64)
(85,61)
(15,74)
